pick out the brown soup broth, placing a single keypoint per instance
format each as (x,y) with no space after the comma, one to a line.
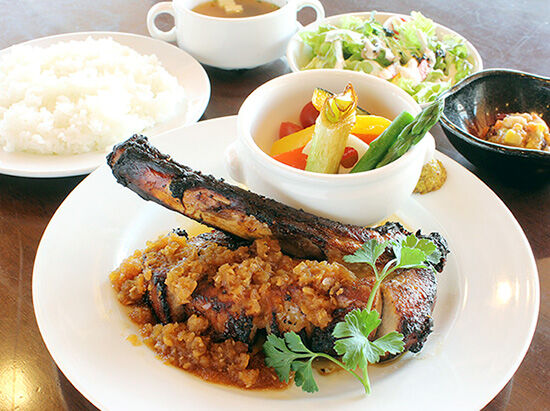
(250,8)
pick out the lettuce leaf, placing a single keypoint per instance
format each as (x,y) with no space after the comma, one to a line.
(365,66)
(344,46)
(331,45)
(368,27)
(457,56)
(409,32)
(428,91)
(424,92)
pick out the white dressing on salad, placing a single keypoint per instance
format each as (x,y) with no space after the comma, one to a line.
(387,73)
(339,55)
(423,41)
(344,34)
(336,37)
(393,23)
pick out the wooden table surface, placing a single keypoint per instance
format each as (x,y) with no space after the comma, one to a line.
(512,34)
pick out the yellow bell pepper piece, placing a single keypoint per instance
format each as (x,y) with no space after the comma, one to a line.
(292,141)
(372,125)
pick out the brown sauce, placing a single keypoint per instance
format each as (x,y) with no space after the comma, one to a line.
(250,8)
(183,346)
(228,362)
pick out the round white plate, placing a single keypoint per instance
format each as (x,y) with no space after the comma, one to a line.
(177,62)
(299,54)
(485,316)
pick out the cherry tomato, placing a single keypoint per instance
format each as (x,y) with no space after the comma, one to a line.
(308,115)
(349,158)
(288,128)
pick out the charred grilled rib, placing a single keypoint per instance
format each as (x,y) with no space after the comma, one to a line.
(155,177)
(407,297)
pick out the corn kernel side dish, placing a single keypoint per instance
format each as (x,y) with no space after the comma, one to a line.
(523,130)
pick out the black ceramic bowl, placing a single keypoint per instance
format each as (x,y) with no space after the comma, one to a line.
(473,104)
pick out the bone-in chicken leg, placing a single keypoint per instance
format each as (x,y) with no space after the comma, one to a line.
(154,176)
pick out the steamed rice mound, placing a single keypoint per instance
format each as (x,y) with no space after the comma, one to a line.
(81,96)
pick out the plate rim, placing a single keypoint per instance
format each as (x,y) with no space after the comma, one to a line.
(198,109)
(534,301)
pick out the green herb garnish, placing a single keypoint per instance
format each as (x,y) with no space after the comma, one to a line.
(352,344)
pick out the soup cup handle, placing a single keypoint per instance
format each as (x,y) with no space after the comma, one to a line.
(160,8)
(315,5)
(233,163)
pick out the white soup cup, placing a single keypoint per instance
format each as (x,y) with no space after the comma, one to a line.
(231,43)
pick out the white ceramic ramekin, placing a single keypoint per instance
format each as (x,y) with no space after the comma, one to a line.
(361,198)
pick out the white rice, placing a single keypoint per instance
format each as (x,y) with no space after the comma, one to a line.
(80,96)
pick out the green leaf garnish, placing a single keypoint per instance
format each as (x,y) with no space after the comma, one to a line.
(410,257)
(295,343)
(353,344)
(392,342)
(422,244)
(290,353)
(303,376)
(368,253)
(278,356)
(422,250)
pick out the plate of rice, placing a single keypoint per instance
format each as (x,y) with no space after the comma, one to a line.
(68,98)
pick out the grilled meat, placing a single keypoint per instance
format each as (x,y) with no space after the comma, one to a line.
(154,176)
(310,302)
(406,300)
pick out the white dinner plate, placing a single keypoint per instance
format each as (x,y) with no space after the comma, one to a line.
(177,62)
(485,316)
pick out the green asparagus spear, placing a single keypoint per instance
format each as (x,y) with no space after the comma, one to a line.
(332,129)
(379,147)
(413,132)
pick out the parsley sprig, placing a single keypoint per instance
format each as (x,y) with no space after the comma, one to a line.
(289,354)
(410,252)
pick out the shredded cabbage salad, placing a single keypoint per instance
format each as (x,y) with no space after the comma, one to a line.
(405,51)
